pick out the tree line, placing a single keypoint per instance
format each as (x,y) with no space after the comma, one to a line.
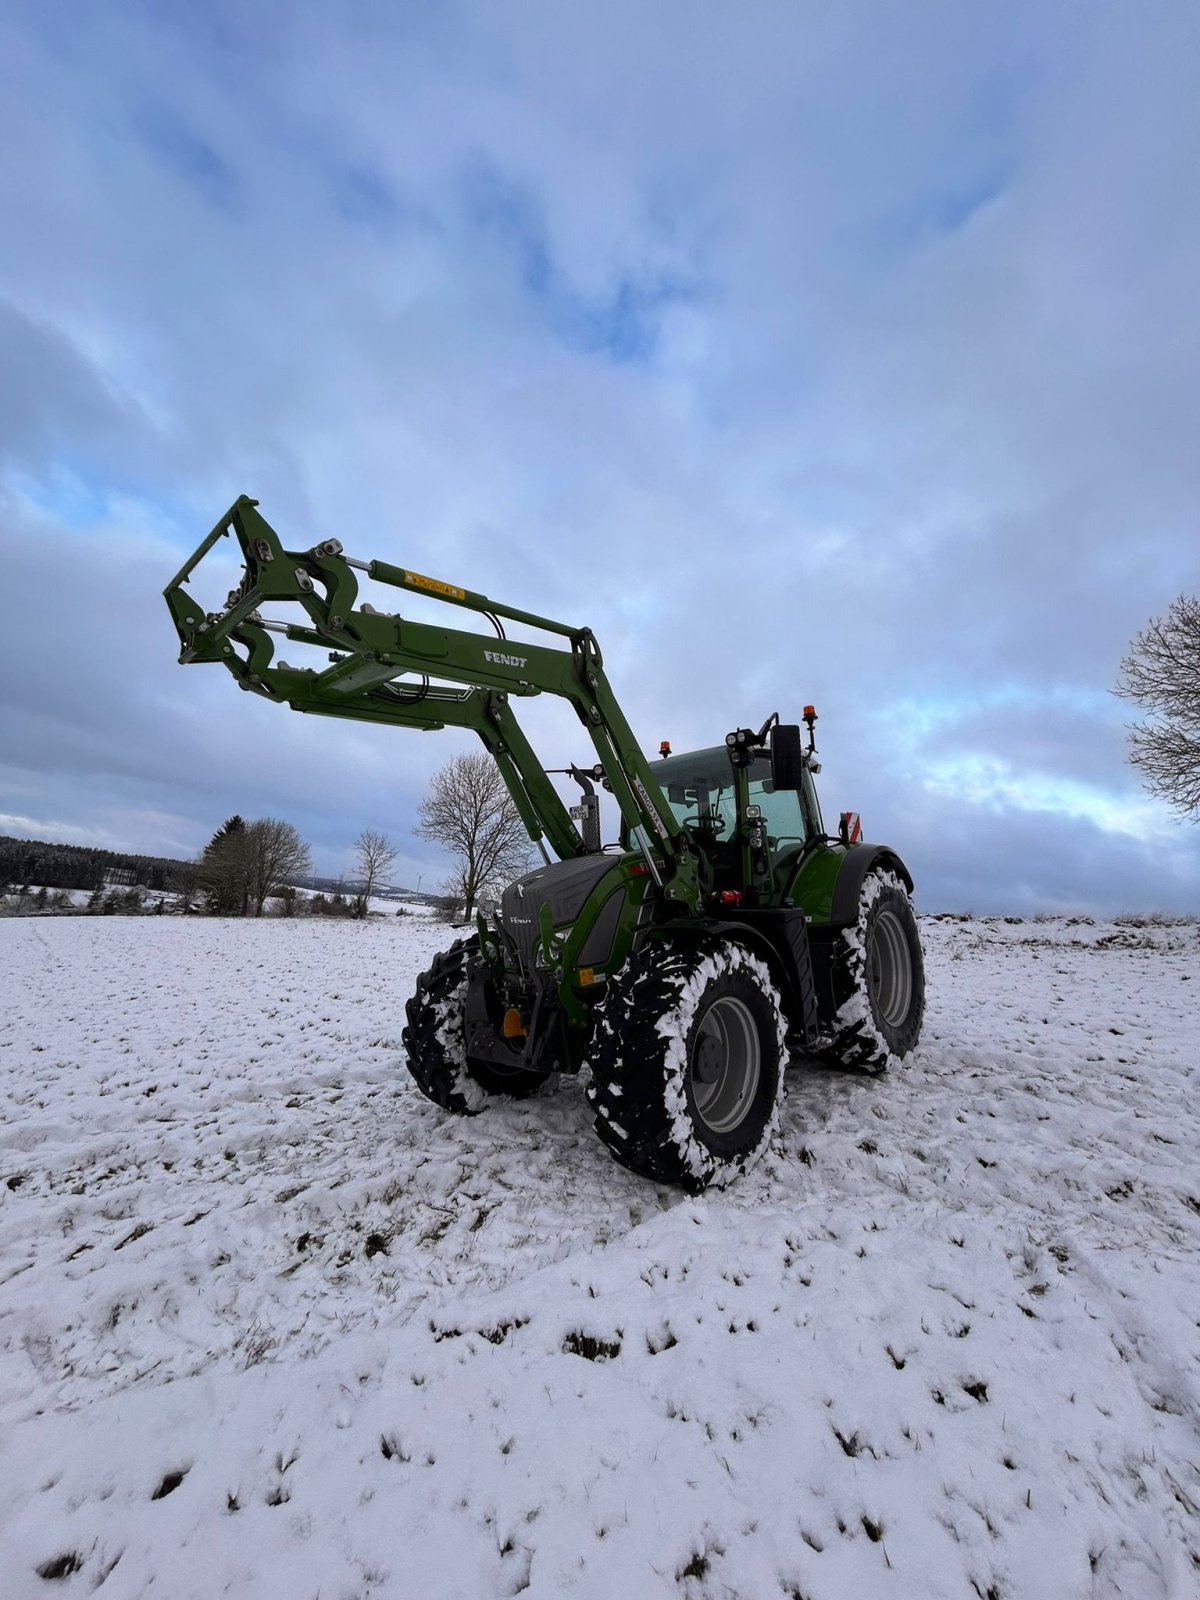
(245,864)
(467,810)
(73,866)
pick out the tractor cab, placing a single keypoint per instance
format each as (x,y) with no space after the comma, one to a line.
(749,806)
(702,790)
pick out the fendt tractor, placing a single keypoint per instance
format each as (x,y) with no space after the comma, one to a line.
(681,965)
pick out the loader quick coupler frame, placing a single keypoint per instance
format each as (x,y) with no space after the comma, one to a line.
(727,920)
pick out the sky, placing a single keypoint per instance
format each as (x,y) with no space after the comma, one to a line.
(806,353)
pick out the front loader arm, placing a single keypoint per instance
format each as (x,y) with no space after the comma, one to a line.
(463,679)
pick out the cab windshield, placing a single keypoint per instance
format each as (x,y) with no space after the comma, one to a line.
(699,787)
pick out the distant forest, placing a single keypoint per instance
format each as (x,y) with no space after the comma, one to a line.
(73,866)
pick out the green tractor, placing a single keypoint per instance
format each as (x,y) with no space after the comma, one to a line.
(681,965)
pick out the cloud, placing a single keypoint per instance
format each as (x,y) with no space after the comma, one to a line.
(806,354)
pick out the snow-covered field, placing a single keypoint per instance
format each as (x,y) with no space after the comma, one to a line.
(271,1325)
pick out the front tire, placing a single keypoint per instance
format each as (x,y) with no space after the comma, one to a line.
(878,977)
(687,1063)
(434,1041)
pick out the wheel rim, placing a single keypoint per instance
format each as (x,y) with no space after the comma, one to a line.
(891,969)
(726,1065)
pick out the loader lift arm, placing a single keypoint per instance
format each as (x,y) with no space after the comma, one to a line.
(463,679)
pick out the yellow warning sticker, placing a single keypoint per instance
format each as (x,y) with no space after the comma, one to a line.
(434,585)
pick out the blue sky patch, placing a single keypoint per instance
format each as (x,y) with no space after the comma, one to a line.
(189,156)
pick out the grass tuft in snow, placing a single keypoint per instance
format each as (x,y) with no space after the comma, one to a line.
(169,1482)
(592,1348)
(59,1567)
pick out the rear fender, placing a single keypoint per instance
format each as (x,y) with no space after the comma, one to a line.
(841,912)
(858,861)
(829,879)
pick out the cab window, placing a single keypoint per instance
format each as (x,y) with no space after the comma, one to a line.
(699,788)
(782,813)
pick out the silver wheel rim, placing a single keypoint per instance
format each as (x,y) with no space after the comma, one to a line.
(727,1044)
(891,970)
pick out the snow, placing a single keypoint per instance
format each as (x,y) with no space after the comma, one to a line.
(271,1324)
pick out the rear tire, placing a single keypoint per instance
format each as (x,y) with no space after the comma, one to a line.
(878,977)
(687,1063)
(434,1041)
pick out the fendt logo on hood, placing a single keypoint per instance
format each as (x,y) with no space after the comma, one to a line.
(502,660)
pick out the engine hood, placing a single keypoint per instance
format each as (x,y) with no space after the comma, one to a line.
(563,886)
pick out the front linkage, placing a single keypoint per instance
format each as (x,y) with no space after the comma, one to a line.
(371,651)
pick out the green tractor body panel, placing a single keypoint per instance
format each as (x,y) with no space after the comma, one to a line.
(724,842)
(814,879)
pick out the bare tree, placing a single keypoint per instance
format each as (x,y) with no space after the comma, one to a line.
(184,882)
(1162,674)
(470,812)
(374,853)
(276,854)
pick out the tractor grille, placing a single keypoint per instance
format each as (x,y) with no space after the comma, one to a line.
(563,886)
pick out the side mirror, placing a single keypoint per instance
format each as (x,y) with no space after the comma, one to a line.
(787,756)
